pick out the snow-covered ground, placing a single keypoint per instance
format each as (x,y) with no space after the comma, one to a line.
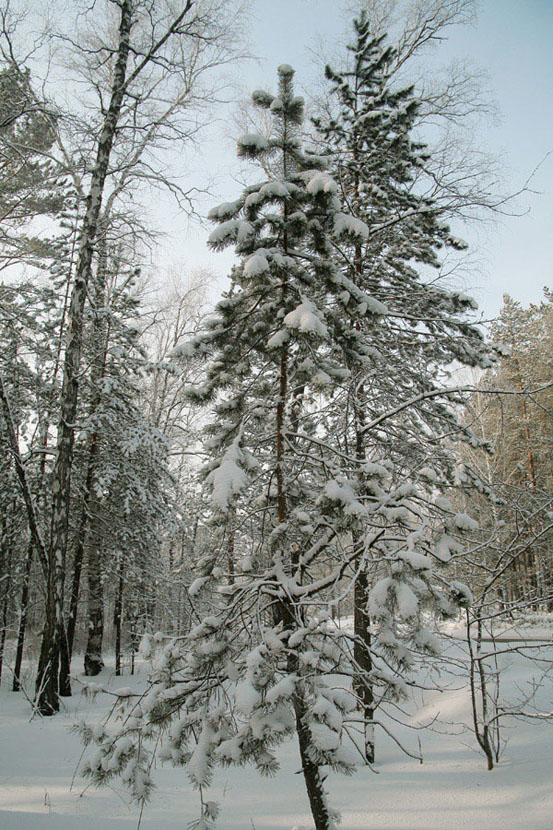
(41,790)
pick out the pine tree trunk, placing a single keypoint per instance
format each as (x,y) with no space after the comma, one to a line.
(117,615)
(311,772)
(23,618)
(285,611)
(286,614)
(362,685)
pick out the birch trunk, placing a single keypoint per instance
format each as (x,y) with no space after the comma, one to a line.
(47,682)
(77,571)
(93,662)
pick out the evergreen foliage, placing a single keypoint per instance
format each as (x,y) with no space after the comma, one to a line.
(305,515)
(426,330)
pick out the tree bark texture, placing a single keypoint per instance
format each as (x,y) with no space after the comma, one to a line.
(311,771)
(117,617)
(23,618)
(93,662)
(362,684)
(5,568)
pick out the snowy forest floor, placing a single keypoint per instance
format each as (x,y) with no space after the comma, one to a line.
(451,789)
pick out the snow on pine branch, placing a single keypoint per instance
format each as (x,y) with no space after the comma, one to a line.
(306,318)
(228,478)
(345,225)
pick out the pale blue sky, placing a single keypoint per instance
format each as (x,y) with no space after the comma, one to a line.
(512,41)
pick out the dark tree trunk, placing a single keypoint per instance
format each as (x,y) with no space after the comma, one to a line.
(4,582)
(134,640)
(47,681)
(13,445)
(76,585)
(3,635)
(311,771)
(117,615)
(230,548)
(65,666)
(362,683)
(4,568)
(23,618)
(93,662)
(80,546)
(288,615)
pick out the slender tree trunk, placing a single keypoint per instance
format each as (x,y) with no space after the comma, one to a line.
(79,549)
(76,579)
(49,659)
(13,446)
(65,666)
(3,634)
(47,683)
(231,570)
(117,615)
(133,632)
(185,612)
(5,568)
(311,770)
(23,618)
(314,782)
(285,611)
(362,684)
(531,565)
(99,338)
(93,662)
(480,722)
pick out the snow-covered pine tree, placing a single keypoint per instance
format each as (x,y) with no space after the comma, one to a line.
(423,329)
(265,660)
(32,183)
